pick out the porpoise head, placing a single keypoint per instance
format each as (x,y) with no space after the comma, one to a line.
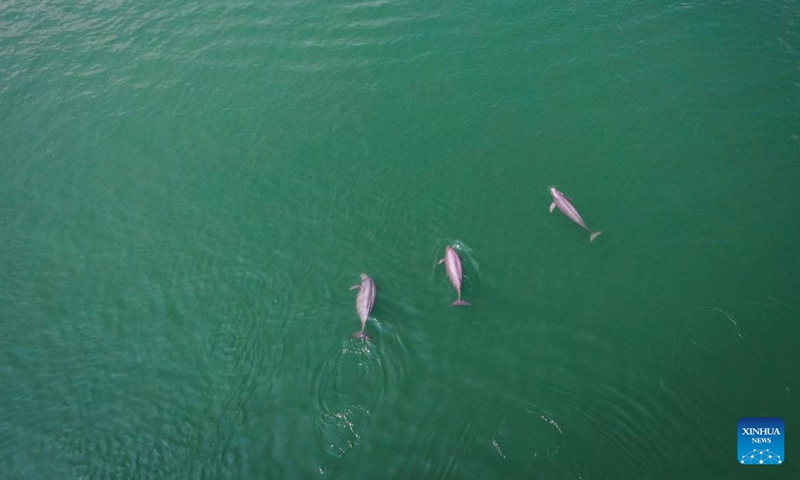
(554,192)
(364,276)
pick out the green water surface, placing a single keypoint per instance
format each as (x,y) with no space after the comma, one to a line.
(188,190)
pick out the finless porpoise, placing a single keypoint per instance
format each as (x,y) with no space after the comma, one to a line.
(365,300)
(565,205)
(452,263)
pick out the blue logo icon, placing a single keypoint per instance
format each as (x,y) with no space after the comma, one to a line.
(760,441)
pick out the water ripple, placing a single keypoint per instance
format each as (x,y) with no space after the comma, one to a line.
(527,434)
(349,385)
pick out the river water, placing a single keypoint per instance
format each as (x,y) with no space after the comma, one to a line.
(189,189)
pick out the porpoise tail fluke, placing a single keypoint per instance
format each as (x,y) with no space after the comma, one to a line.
(593,236)
(460,302)
(360,334)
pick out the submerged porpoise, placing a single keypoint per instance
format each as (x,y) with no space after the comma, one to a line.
(365,300)
(452,263)
(563,203)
